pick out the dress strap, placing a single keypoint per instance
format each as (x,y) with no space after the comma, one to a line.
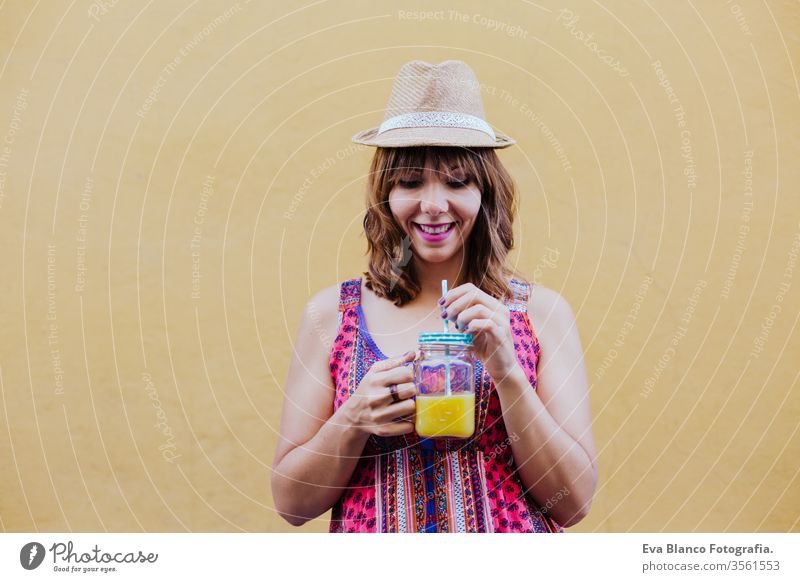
(350,294)
(521,292)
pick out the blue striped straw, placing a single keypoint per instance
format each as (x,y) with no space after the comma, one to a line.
(446,322)
(446,326)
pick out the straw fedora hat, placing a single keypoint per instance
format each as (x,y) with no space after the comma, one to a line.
(436,105)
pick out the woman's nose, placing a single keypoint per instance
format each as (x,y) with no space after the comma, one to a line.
(433,200)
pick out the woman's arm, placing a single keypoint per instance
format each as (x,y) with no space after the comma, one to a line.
(550,428)
(318,450)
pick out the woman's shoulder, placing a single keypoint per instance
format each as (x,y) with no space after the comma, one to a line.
(320,320)
(328,299)
(548,308)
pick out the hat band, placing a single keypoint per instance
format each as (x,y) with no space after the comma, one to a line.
(437,119)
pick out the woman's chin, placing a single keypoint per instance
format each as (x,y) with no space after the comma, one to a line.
(434,255)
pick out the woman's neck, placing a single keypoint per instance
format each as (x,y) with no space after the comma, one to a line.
(430,276)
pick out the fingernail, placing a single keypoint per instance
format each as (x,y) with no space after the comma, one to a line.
(441,301)
(444,314)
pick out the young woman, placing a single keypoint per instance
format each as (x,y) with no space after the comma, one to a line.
(440,206)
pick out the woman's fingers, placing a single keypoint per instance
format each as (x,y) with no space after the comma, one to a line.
(476,312)
(398,375)
(405,392)
(391,363)
(394,429)
(468,293)
(464,309)
(403,379)
(381,414)
(396,410)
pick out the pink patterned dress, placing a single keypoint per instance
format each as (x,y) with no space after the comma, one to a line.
(412,484)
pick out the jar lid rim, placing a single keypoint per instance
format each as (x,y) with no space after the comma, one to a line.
(439,337)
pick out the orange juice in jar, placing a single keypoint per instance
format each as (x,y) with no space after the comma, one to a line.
(445,379)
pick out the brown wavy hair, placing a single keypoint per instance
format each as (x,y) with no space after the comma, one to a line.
(392,273)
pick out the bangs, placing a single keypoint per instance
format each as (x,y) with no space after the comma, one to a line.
(404,163)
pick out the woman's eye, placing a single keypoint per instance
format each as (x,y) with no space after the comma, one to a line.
(409,183)
(457,184)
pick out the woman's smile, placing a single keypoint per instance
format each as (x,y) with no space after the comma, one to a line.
(434,232)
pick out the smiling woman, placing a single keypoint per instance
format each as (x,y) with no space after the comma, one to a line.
(414,186)
(437,191)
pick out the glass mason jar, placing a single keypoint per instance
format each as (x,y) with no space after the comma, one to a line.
(444,376)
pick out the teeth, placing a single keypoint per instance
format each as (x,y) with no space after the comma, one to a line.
(436,230)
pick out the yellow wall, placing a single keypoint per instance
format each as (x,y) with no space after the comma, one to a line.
(248,133)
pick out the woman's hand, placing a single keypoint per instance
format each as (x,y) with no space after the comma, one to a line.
(371,407)
(488,320)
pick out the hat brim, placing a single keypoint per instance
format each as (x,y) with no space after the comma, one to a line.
(431,136)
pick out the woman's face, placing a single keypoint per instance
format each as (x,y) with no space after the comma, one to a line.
(433,201)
